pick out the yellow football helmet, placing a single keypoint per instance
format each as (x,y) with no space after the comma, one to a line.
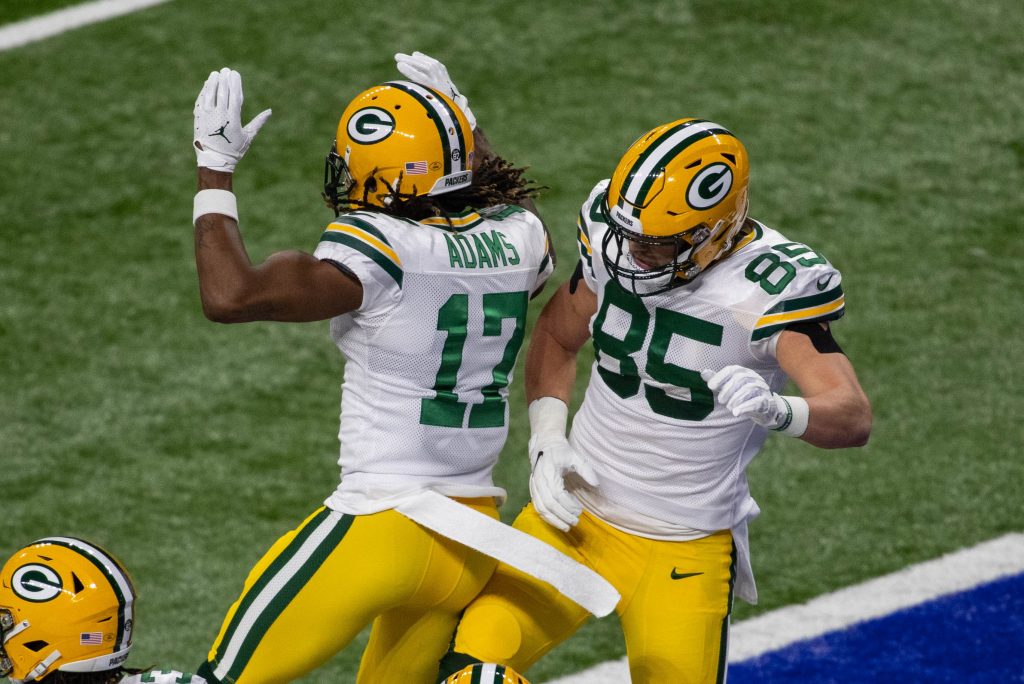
(65,604)
(681,185)
(398,136)
(486,673)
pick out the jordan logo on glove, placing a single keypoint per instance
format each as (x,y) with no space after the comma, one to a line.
(220,132)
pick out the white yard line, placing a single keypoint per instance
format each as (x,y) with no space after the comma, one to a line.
(45,25)
(954,572)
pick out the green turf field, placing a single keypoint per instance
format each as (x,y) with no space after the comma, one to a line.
(888,135)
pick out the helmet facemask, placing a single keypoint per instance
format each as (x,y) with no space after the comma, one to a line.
(672,261)
(342,191)
(338,182)
(6,627)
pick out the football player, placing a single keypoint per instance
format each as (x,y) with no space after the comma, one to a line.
(425,274)
(698,315)
(486,673)
(67,616)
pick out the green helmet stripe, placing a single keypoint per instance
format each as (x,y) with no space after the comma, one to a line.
(658,154)
(444,118)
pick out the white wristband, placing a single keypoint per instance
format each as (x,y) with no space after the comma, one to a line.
(548,414)
(214,202)
(797,415)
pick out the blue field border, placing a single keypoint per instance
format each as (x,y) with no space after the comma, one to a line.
(970,637)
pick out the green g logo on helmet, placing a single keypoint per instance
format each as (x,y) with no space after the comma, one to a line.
(370,125)
(709,186)
(36,583)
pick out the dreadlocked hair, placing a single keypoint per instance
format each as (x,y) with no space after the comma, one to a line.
(105,677)
(495,181)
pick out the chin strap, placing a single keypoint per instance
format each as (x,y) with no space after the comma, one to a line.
(40,669)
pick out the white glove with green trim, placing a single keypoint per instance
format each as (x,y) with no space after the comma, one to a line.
(746,394)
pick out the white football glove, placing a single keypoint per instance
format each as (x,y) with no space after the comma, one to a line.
(219,137)
(746,394)
(551,460)
(427,71)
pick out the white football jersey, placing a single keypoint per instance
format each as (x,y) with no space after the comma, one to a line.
(163,677)
(671,461)
(430,352)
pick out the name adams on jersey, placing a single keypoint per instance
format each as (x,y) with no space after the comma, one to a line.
(430,291)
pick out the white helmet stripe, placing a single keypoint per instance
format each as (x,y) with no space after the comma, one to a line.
(447,124)
(656,158)
(122,585)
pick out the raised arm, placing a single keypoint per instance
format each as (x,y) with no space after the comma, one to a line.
(288,286)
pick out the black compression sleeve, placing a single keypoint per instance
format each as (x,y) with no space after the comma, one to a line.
(821,336)
(577,276)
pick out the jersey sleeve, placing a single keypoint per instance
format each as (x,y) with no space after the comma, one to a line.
(591,216)
(814,294)
(357,243)
(547,264)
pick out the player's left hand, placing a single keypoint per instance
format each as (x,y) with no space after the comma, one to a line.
(425,70)
(218,135)
(552,459)
(745,394)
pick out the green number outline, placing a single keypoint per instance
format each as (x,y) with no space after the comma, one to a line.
(445,409)
(795,249)
(626,383)
(764,276)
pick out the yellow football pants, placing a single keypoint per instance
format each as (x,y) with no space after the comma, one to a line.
(323,582)
(676,599)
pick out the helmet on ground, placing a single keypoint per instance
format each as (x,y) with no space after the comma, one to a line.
(486,673)
(65,604)
(398,136)
(683,186)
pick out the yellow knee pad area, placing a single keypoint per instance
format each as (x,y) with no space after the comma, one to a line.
(490,632)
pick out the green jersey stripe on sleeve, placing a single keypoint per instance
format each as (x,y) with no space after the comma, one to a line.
(806,302)
(357,222)
(378,257)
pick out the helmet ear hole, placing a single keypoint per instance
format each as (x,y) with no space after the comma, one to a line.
(77,584)
(36,646)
